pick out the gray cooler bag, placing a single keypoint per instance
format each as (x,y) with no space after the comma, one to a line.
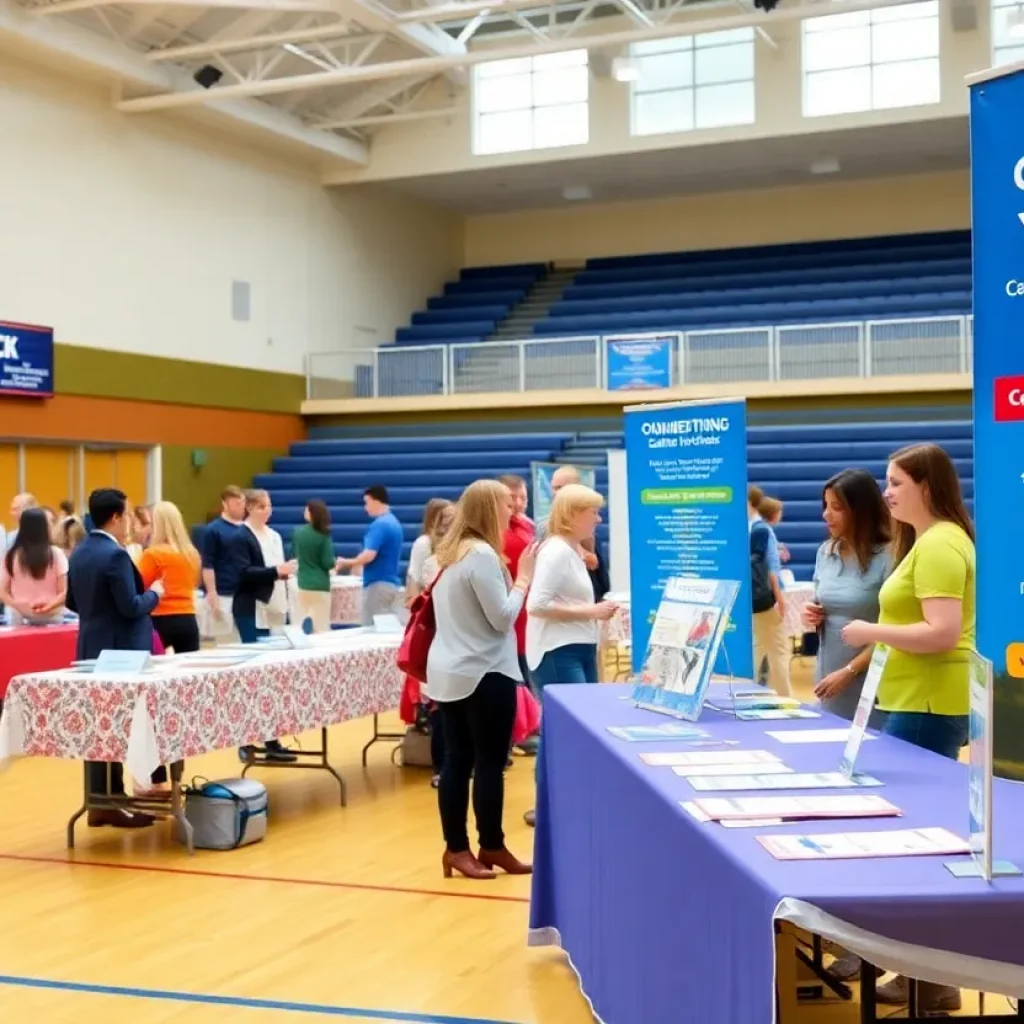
(227,813)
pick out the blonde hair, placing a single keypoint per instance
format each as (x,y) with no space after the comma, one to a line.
(569,502)
(769,508)
(477,518)
(169,529)
(255,496)
(440,527)
(432,512)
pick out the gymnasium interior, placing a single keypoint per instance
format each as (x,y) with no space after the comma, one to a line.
(309,246)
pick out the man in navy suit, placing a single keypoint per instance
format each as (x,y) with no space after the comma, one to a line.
(113,607)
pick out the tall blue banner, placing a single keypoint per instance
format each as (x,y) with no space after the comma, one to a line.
(26,360)
(997,207)
(686,466)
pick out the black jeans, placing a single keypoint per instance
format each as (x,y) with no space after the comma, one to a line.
(477,732)
(182,633)
(436,740)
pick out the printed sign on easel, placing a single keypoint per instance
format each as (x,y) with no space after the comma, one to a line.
(684,641)
(865,706)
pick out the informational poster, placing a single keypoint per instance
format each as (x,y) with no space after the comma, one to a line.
(865,706)
(26,360)
(636,363)
(997,215)
(687,480)
(683,644)
(542,494)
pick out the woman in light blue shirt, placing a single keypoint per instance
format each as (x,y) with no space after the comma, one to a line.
(849,571)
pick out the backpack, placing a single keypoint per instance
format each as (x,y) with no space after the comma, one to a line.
(761,592)
(419,635)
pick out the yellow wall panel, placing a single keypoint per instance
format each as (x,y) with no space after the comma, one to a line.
(8,479)
(49,473)
(100,471)
(131,474)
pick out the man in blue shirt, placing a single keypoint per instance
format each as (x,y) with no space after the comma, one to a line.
(220,575)
(382,550)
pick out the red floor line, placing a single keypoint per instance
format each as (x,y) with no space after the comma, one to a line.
(322,883)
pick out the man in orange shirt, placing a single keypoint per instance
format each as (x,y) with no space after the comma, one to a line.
(519,536)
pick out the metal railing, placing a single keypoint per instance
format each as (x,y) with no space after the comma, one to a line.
(873,348)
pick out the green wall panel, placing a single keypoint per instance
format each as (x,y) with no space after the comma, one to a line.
(101,373)
(197,491)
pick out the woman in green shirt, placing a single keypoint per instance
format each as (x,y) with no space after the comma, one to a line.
(927,620)
(313,549)
(927,605)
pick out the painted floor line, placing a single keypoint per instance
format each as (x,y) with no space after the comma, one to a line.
(277,879)
(168,995)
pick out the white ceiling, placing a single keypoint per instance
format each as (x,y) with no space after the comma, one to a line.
(867,152)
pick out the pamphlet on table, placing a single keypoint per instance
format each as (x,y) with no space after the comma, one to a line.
(910,842)
(670,759)
(796,808)
(811,735)
(686,771)
(687,632)
(798,780)
(650,733)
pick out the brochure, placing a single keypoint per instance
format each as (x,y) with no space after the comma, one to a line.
(649,733)
(687,771)
(796,808)
(774,714)
(910,842)
(687,632)
(798,780)
(673,758)
(811,735)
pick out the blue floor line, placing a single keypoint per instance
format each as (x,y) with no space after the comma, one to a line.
(254,1004)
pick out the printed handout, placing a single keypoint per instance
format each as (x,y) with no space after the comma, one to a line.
(811,735)
(910,842)
(798,780)
(649,733)
(671,759)
(687,771)
(796,808)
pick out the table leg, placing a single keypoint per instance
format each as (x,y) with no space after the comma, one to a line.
(868,1002)
(785,975)
(309,759)
(178,808)
(378,736)
(81,810)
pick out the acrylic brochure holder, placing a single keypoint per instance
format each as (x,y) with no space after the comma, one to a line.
(688,631)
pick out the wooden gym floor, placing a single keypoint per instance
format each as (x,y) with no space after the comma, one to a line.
(340,912)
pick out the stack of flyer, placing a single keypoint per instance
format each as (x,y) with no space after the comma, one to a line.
(737,812)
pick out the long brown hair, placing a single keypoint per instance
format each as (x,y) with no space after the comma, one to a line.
(869,523)
(476,519)
(930,466)
(431,511)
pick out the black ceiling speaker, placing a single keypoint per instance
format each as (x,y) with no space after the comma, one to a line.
(208,76)
(766,5)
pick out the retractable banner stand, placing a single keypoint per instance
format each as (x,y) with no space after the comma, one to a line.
(997,206)
(687,480)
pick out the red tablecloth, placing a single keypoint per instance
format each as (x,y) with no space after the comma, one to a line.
(35,649)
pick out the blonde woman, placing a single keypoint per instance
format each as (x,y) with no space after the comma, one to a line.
(472,673)
(272,614)
(141,532)
(423,548)
(172,559)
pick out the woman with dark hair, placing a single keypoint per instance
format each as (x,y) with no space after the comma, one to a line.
(314,553)
(34,573)
(849,571)
(927,622)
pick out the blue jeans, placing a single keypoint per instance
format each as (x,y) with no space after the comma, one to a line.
(943,734)
(573,663)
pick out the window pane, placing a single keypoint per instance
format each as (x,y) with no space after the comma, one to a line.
(733,35)
(1008,54)
(673,45)
(662,112)
(507,93)
(552,61)
(504,133)
(907,84)
(835,22)
(725,64)
(564,85)
(904,40)
(721,105)
(844,48)
(560,126)
(666,71)
(1003,25)
(906,12)
(837,92)
(494,68)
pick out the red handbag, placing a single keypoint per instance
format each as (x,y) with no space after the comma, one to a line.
(419,634)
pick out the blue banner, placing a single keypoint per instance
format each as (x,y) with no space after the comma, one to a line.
(637,364)
(997,214)
(26,360)
(687,475)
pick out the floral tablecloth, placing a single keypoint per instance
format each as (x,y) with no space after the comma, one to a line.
(146,721)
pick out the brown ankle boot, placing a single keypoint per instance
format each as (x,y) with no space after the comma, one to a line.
(508,862)
(466,864)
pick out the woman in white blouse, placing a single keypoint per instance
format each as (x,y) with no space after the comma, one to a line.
(273,615)
(561,630)
(472,673)
(423,548)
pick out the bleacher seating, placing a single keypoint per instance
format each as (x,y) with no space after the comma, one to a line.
(790,462)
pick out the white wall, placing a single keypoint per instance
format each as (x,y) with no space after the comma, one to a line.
(126,232)
(812,212)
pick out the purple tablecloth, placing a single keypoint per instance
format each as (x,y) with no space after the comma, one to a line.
(668,920)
